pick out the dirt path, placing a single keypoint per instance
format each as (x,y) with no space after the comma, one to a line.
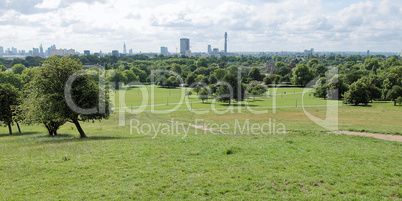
(396,138)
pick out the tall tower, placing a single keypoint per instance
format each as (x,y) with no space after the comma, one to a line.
(185,46)
(41,50)
(226,42)
(124,48)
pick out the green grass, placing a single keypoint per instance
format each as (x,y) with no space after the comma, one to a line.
(114,163)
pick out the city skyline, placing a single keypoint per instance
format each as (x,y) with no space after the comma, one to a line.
(257,25)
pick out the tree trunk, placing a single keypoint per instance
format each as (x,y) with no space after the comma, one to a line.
(10,129)
(82,133)
(395,102)
(18,125)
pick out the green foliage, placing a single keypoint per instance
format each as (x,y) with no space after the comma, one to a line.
(11,78)
(394,93)
(275,79)
(255,74)
(283,71)
(117,77)
(399,100)
(371,64)
(212,79)
(46,102)
(2,68)
(171,82)
(202,62)
(190,79)
(220,73)
(337,87)
(204,94)
(302,75)
(358,93)
(18,68)
(257,90)
(321,88)
(267,80)
(8,97)
(176,68)
(197,89)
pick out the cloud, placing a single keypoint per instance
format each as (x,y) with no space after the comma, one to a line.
(253,25)
(48,4)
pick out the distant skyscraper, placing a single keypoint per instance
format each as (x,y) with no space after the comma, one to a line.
(226,42)
(185,46)
(368,52)
(41,50)
(53,47)
(130,52)
(124,48)
(14,50)
(312,51)
(209,49)
(164,51)
(116,53)
(87,52)
(1,50)
(35,51)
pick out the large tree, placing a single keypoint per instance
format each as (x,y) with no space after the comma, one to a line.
(55,97)
(8,98)
(358,93)
(302,75)
(255,74)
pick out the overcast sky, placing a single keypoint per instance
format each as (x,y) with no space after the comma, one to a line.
(252,25)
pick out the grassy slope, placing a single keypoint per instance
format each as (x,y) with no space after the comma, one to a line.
(112,163)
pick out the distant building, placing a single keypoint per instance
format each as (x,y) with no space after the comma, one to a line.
(14,50)
(53,47)
(116,53)
(87,52)
(209,49)
(130,52)
(309,52)
(35,51)
(1,50)
(124,48)
(185,46)
(368,52)
(400,53)
(60,52)
(164,51)
(41,50)
(71,52)
(215,51)
(226,42)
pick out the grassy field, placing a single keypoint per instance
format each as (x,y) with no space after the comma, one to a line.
(182,162)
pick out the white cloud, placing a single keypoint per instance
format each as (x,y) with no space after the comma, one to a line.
(255,25)
(49,4)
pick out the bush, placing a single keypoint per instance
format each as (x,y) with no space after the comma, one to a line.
(399,101)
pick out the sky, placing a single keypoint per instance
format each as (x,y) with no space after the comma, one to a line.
(252,25)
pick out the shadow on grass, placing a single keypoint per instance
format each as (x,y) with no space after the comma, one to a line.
(361,105)
(243,105)
(66,138)
(19,134)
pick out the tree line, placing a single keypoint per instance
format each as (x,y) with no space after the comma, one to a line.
(36,94)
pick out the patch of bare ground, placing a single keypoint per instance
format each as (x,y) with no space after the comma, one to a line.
(396,138)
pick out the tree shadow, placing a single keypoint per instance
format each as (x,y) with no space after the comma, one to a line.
(362,105)
(67,138)
(18,134)
(243,105)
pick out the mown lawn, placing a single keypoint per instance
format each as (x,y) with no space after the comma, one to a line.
(118,163)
